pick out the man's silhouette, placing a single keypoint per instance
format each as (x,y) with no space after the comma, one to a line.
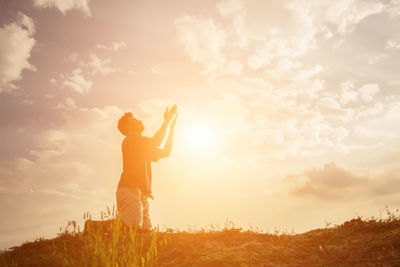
(138,152)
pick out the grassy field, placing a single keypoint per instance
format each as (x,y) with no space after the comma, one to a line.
(359,242)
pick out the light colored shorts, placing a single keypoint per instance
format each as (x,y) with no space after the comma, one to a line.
(133,208)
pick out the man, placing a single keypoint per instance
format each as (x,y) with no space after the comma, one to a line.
(138,152)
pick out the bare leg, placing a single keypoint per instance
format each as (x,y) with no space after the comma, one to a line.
(146,216)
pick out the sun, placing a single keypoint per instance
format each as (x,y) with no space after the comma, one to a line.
(200,138)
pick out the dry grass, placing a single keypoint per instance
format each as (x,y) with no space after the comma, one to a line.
(112,245)
(359,242)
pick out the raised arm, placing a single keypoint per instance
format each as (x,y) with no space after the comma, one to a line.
(168,145)
(160,134)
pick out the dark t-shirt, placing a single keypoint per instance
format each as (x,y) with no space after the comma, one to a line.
(137,154)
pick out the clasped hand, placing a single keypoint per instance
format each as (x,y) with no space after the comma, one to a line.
(170,113)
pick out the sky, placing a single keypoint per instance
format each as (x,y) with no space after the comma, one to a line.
(289,111)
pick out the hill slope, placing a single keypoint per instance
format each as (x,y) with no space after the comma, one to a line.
(354,243)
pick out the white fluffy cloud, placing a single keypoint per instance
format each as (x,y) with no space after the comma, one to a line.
(100,66)
(339,16)
(368,91)
(16,43)
(116,46)
(260,58)
(229,6)
(305,114)
(203,41)
(304,23)
(67,103)
(392,44)
(76,81)
(351,94)
(65,5)
(269,42)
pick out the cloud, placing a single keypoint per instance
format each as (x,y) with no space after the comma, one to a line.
(305,115)
(16,43)
(368,91)
(305,25)
(389,185)
(116,46)
(349,94)
(100,66)
(276,35)
(372,59)
(393,8)
(329,106)
(269,43)
(339,17)
(67,103)
(65,5)
(276,119)
(330,182)
(76,81)
(365,93)
(94,65)
(203,41)
(287,121)
(383,126)
(375,110)
(154,70)
(392,44)
(260,59)
(228,7)
(232,67)
(304,74)
(289,69)
(131,72)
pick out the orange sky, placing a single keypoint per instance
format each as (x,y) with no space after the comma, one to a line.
(289,111)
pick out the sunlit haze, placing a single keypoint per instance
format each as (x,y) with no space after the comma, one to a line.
(289,111)
(200,139)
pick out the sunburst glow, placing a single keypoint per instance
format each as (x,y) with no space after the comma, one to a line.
(200,138)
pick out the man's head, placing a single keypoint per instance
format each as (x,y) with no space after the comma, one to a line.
(128,125)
